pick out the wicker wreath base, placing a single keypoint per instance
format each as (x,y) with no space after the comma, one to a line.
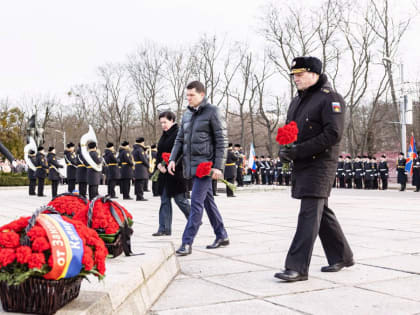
(39,295)
(115,249)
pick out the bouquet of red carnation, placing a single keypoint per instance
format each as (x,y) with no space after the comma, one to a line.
(69,204)
(287,134)
(165,162)
(204,169)
(109,219)
(31,247)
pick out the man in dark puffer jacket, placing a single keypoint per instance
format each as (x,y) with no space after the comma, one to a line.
(201,138)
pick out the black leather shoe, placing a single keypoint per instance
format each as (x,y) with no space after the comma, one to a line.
(141,199)
(338,266)
(218,242)
(184,250)
(128,198)
(160,234)
(291,276)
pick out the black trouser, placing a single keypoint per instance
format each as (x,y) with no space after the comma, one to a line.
(358,182)
(54,187)
(155,188)
(342,182)
(139,188)
(32,184)
(93,191)
(126,184)
(240,177)
(403,186)
(263,177)
(71,185)
(349,183)
(375,183)
(229,192)
(41,186)
(315,218)
(280,179)
(145,185)
(214,186)
(286,179)
(368,184)
(384,181)
(83,189)
(111,187)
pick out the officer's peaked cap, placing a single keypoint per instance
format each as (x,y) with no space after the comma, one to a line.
(303,64)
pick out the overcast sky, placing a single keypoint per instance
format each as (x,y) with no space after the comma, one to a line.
(48,46)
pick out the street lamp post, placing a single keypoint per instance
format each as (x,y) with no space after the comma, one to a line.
(403,106)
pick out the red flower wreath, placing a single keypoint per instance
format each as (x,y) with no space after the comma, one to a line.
(68,204)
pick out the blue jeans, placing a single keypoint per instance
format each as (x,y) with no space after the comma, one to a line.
(165,211)
(202,197)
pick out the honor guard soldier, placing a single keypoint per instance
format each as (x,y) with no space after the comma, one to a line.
(53,174)
(348,171)
(402,174)
(81,172)
(113,171)
(369,174)
(358,172)
(126,163)
(365,161)
(239,165)
(255,175)
(230,169)
(279,166)
(93,176)
(375,184)
(319,113)
(286,170)
(416,173)
(263,171)
(31,173)
(71,162)
(383,172)
(340,172)
(141,171)
(152,168)
(270,170)
(41,172)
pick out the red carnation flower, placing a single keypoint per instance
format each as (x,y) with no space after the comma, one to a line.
(203,169)
(40,244)
(36,231)
(166,156)
(68,205)
(87,259)
(287,134)
(9,239)
(23,254)
(7,256)
(17,225)
(36,260)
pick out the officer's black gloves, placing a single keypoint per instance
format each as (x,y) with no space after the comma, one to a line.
(287,154)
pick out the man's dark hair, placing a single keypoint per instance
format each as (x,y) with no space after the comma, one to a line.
(168,115)
(197,85)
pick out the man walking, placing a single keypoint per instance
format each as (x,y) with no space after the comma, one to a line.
(319,114)
(201,138)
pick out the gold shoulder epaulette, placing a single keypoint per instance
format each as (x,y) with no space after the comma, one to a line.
(325,90)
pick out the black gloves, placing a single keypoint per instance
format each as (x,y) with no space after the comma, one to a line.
(287,154)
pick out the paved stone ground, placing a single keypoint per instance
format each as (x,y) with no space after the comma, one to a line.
(383,229)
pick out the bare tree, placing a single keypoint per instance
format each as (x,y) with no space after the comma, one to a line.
(146,69)
(178,72)
(390,32)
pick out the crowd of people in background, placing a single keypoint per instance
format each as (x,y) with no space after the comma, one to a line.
(7,167)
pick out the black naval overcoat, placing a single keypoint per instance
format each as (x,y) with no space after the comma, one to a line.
(141,162)
(71,162)
(112,170)
(230,166)
(319,113)
(53,173)
(93,177)
(402,176)
(41,166)
(126,164)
